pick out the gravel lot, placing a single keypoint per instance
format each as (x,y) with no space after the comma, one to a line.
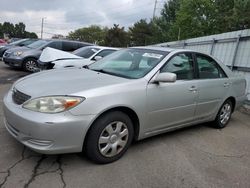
(199,156)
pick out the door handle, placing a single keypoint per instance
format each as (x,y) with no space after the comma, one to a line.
(193,88)
(226,84)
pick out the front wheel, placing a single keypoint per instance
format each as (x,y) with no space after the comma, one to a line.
(224,115)
(30,65)
(109,137)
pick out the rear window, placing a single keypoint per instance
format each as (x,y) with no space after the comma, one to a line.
(69,46)
(86,52)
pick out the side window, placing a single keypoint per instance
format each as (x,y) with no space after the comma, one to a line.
(69,46)
(181,65)
(208,68)
(104,53)
(55,44)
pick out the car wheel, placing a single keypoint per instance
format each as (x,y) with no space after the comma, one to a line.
(224,115)
(30,65)
(109,137)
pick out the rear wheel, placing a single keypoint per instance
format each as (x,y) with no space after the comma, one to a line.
(224,115)
(30,65)
(109,137)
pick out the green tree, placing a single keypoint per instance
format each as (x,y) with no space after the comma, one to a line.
(194,18)
(93,34)
(162,26)
(140,33)
(241,15)
(223,15)
(17,30)
(117,37)
(8,28)
(30,35)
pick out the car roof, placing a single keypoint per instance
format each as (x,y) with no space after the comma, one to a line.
(105,47)
(100,47)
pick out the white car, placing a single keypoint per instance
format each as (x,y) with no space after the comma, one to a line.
(52,58)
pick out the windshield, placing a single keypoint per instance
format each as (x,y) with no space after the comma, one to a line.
(86,52)
(38,44)
(131,63)
(27,42)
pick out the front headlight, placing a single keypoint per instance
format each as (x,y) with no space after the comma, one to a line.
(18,53)
(52,104)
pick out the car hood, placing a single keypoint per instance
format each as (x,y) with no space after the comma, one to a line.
(51,54)
(23,49)
(65,82)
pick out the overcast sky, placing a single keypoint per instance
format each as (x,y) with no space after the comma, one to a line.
(62,16)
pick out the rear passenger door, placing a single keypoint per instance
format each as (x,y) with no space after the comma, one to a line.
(213,86)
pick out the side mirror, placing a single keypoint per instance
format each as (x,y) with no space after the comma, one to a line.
(97,58)
(165,77)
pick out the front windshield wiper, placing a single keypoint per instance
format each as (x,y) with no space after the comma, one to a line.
(110,73)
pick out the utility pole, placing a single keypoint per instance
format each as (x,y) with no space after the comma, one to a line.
(154,9)
(179,33)
(42,28)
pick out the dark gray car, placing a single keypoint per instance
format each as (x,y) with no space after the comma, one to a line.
(26,57)
(18,43)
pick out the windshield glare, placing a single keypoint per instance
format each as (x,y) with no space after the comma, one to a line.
(129,63)
(38,44)
(86,52)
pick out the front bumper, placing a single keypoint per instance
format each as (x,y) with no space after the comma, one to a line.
(46,133)
(13,62)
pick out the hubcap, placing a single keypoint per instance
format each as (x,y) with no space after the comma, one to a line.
(113,139)
(225,113)
(31,66)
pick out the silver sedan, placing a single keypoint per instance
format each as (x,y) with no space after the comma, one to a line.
(132,94)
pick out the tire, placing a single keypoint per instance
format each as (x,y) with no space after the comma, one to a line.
(224,115)
(30,65)
(109,137)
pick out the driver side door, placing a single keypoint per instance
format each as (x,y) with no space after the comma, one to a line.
(173,104)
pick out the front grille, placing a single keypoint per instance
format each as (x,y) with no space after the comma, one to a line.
(19,97)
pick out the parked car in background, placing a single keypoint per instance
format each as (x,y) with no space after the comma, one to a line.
(131,94)
(51,58)
(2,42)
(18,43)
(13,40)
(26,57)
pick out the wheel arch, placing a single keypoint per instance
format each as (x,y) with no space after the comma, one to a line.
(233,100)
(29,57)
(128,111)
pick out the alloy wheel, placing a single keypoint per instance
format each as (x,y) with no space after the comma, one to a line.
(113,139)
(225,113)
(30,65)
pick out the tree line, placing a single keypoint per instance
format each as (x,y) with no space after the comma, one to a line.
(179,20)
(15,30)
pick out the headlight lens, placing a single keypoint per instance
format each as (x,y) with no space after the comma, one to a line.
(18,53)
(52,104)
